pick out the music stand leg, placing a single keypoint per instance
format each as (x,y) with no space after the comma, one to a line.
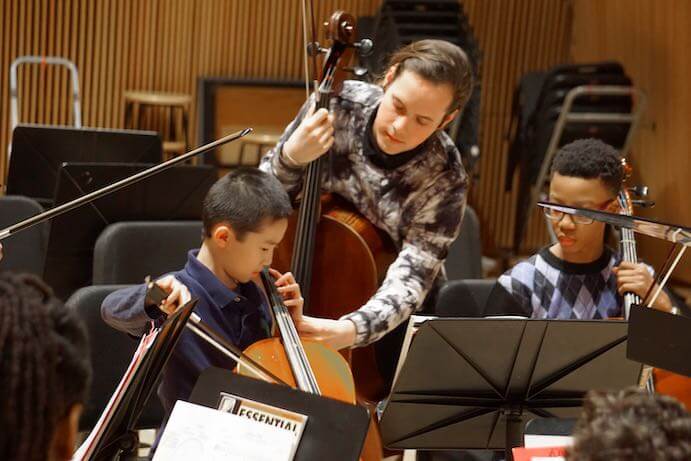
(514,431)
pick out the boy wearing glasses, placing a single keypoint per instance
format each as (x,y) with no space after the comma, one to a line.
(578,277)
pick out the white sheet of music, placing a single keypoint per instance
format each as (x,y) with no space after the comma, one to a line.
(198,432)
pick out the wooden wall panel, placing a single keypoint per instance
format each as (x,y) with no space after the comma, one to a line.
(652,39)
(162,45)
(166,45)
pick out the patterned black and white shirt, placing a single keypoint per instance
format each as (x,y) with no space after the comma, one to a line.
(547,287)
(418,198)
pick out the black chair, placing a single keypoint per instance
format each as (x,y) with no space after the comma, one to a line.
(464,260)
(111,353)
(126,252)
(26,250)
(464,298)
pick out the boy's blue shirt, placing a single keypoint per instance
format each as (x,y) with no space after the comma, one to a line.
(242,315)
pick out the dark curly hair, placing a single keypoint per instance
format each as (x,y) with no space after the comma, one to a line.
(631,425)
(590,159)
(44,365)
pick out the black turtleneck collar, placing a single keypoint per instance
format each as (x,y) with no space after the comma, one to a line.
(592,267)
(380,158)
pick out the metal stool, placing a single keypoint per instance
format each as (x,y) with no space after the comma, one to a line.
(176,105)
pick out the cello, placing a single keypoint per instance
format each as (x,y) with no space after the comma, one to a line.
(656,379)
(327,233)
(306,364)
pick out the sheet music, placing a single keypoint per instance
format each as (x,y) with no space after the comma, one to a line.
(414,322)
(86,450)
(543,441)
(197,432)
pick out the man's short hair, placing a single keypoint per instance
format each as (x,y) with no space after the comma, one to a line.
(245,198)
(631,425)
(440,62)
(590,159)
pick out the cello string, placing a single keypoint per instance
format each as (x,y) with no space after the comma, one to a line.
(294,350)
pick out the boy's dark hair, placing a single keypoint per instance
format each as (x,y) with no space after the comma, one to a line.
(590,159)
(439,62)
(44,365)
(631,425)
(244,198)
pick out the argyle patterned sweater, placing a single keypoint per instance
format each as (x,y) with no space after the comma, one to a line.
(547,287)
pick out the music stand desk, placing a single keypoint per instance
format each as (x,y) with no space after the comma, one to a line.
(660,339)
(175,194)
(472,383)
(117,436)
(335,430)
(39,150)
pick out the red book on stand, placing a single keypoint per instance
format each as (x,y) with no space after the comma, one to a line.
(527,454)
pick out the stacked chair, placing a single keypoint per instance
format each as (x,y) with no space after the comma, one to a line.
(554,107)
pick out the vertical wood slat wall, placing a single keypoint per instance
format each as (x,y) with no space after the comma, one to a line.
(165,45)
(160,45)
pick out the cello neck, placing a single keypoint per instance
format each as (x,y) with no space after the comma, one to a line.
(341,31)
(628,248)
(308,218)
(297,358)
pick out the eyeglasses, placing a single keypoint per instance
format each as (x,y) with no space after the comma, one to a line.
(557,216)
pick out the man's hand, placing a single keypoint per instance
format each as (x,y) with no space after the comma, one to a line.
(178,294)
(335,333)
(312,138)
(338,334)
(636,278)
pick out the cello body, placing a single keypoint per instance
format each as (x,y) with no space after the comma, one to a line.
(350,261)
(674,385)
(330,368)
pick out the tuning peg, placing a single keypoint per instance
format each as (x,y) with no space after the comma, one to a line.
(639,191)
(357,71)
(364,47)
(313,49)
(643,203)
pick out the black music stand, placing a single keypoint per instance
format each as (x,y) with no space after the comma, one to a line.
(660,339)
(118,436)
(474,383)
(175,194)
(37,152)
(335,430)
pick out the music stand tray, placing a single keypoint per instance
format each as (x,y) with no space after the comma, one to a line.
(335,430)
(660,339)
(176,194)
(474,383)
(37,152)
